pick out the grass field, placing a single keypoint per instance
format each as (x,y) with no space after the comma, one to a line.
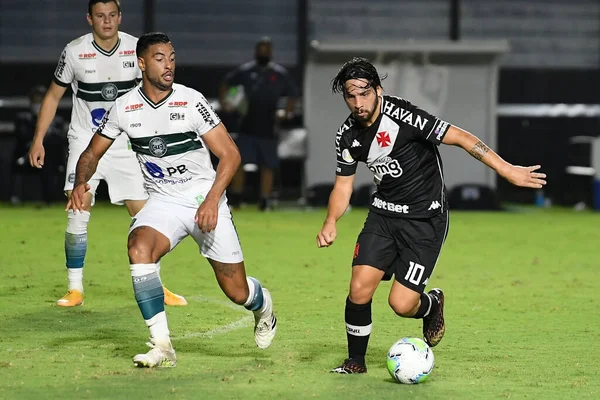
(522,298)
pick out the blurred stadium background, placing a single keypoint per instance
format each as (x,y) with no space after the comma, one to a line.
(522,287)
(524,76)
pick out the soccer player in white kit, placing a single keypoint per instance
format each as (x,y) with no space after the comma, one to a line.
(173,129)
(100,67)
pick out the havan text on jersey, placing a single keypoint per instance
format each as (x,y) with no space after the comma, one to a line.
(400,149)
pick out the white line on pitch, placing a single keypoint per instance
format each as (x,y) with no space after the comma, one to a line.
(245,321)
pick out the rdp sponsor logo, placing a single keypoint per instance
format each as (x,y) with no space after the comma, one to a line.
(134,107)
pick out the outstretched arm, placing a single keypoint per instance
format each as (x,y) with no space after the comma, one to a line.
(88,160)
(517,175)
(47,113)
(339,200)
(86,166)
(221,145)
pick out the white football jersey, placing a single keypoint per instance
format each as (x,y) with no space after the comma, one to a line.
(167,139)
(97,78)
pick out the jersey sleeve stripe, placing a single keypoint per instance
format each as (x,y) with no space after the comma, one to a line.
(103,135)
(59,83)
(437,121)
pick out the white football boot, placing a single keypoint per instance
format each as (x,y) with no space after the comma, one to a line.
(265,323)
(162,354)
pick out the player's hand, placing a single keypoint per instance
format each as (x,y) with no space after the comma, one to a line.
(207,215)
(77,200)
(327,236)
(36,155)
(525,176)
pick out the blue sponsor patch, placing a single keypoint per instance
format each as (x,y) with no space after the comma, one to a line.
(154,170)
(97,116)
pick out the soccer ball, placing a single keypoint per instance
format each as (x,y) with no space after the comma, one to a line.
(410,360)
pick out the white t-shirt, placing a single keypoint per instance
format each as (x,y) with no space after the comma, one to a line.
(97,78)
(167,139)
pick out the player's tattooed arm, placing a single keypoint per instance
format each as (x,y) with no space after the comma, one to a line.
(88,161)
(86,166)
(479,150)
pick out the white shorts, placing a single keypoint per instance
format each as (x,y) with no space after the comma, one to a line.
(176,222)
(119,168)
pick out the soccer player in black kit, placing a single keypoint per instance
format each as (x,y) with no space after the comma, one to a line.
(407,221)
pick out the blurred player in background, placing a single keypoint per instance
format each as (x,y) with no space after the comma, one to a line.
(100,67)
(173,130)
(55,140)
(264,83)
(408,218)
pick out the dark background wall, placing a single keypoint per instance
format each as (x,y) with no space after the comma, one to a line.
(554,57)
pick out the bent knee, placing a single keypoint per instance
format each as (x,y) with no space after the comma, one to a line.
(360,293)
(139,251)
(404,307)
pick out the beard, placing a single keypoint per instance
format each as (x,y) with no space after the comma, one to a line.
(363,117)
(367,117)
(157,83)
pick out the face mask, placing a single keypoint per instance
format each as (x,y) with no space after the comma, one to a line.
(35,108)
(263,60)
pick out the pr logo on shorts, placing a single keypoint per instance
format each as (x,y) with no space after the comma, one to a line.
(97,115)
(356,250)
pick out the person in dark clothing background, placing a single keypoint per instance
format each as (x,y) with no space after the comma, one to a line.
(262,83)
(55,142)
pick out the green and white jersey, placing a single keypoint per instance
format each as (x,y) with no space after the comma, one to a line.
(167,139)
(98,78)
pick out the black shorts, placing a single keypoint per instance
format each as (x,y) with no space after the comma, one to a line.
(261,151)
(406,248)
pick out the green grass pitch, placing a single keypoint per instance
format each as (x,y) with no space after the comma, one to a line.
(522,312)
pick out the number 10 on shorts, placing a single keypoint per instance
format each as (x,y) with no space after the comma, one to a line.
(415,273)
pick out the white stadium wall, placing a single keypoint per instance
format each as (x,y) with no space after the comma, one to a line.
(456,81)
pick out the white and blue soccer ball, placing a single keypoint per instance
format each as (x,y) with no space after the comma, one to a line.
(410,361)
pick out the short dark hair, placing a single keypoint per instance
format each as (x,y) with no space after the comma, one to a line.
(264,41)
(357,68)
(92,3)
(149,39)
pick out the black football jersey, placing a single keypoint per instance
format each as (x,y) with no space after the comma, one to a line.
(400,148)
